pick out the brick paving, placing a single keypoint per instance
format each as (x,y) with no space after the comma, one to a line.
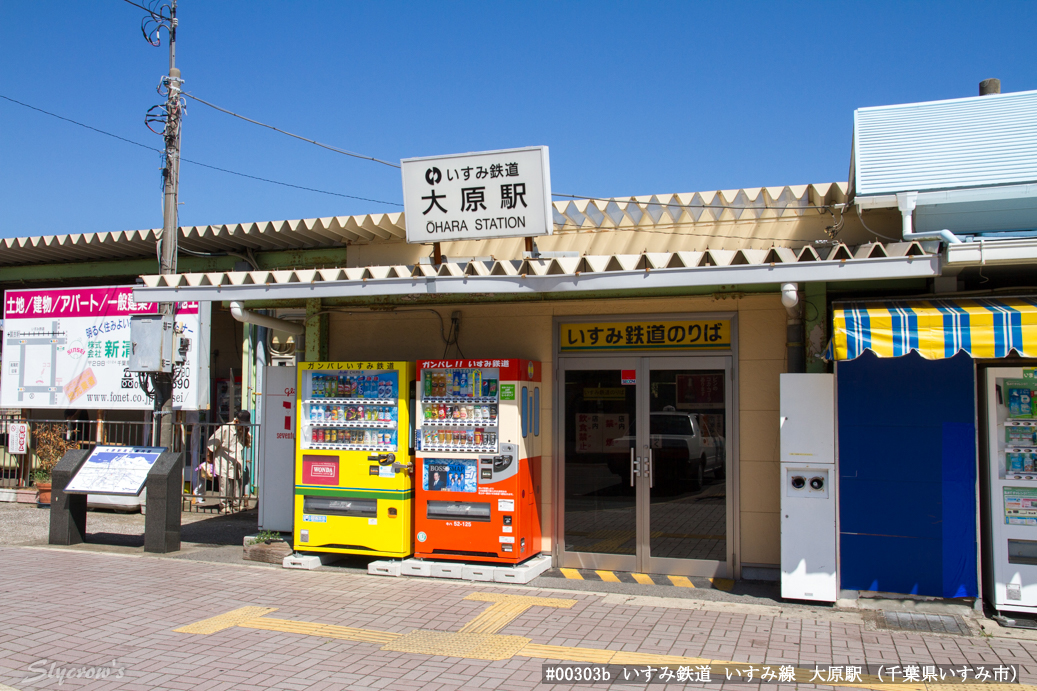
(80,608)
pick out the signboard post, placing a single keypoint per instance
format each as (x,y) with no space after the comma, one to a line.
(70,347)
(477,196)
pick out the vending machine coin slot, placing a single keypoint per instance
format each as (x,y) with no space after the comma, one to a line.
(507,520)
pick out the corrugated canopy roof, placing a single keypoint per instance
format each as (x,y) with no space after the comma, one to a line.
(617,272)
(709,215)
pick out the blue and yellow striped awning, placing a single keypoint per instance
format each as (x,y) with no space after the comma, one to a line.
(984,328)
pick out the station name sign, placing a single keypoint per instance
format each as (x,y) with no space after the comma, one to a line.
(477,196)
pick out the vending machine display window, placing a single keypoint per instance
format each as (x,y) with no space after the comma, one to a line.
(1017,429)
(350,410)
(459,409)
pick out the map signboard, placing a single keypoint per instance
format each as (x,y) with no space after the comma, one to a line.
(69,348)
(115,470)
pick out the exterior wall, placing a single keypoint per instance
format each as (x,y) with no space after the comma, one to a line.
(524,330)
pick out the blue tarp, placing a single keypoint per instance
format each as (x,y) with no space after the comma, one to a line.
(907,474)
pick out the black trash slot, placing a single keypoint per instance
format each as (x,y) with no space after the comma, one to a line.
(458,510)
(330,506)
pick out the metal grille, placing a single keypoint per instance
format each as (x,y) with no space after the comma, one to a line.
(49,439)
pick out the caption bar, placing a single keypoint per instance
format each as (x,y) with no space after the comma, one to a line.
(746,672)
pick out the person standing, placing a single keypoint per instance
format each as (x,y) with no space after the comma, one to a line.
(226,452)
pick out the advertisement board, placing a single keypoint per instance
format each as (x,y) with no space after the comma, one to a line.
(475,196)
(69,348)
(18,437)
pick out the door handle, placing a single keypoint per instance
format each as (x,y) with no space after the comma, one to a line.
(635,467)
(650,469)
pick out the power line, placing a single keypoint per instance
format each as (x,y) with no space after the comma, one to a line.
(820,207)
(277,129)
(197,163)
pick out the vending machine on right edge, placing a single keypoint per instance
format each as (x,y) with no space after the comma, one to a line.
(477,475)
(1011,555)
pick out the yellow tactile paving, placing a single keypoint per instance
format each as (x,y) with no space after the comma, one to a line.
(478,640)
(681,581)
(572,574)
(569,654)
(608,576)
(326,630)
(643,578)
(225,621)
(473,646)
(505,608)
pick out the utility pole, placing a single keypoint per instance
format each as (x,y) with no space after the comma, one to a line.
(170,115)
(171,172)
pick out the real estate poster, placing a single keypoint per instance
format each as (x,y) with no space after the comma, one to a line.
(70,347)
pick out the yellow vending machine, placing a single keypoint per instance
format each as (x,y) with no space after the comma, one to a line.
(354,460)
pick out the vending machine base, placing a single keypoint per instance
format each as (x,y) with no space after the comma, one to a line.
(517,573)
(309,561)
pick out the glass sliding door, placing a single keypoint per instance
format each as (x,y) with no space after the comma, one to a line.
(599,427)
(686,505)
(644,480)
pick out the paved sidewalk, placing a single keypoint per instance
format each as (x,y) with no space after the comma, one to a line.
(159,621)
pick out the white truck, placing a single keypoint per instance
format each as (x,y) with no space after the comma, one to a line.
(684,449)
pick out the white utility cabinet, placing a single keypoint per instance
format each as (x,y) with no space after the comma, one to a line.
(808,489)
(277,450)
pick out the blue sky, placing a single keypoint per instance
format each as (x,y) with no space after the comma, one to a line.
(632,98)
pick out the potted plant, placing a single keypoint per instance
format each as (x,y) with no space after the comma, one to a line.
(41,480)
(51,445)
(267,546)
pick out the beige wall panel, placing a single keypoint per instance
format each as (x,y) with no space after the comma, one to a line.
(761,334)
(761,538)
(765,301)
(759,486)
(635,307)
(758,385)
(758,435)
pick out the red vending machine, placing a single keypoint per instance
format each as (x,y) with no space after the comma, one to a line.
(477,495)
